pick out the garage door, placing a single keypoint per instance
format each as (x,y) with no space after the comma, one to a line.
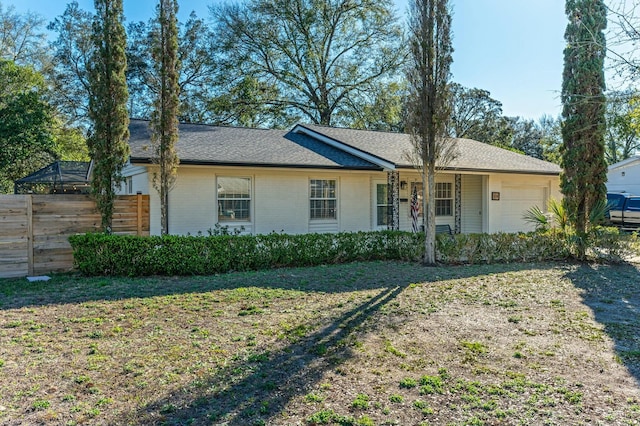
(516,201)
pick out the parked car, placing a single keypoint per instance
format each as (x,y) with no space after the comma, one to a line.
(624,209)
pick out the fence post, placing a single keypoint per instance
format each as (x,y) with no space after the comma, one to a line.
(139,215)
(29,202)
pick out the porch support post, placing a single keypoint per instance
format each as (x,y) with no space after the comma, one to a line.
(393,200)
(458,204)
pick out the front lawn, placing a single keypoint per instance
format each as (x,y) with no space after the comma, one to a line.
(380,343)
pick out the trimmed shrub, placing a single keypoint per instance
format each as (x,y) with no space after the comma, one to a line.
(101,254)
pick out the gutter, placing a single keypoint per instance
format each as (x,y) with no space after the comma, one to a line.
(145,161)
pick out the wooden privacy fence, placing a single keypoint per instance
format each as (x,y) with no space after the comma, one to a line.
(34,229)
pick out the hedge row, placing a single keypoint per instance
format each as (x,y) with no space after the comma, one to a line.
(98,254)
(101,254)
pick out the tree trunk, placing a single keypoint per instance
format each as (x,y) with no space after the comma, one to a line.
(429,213)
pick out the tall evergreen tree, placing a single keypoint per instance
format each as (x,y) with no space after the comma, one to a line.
(429,101)
(164,118)
(585,170)
(109,131)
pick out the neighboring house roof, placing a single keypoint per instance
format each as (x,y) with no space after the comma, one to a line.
(625,163)
(313,146)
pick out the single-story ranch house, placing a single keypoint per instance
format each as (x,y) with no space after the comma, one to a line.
(323,179)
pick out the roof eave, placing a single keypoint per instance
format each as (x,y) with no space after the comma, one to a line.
(504,171)
(147,161)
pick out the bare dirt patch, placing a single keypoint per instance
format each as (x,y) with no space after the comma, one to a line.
(380,343)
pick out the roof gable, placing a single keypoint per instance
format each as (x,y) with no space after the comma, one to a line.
(471,156)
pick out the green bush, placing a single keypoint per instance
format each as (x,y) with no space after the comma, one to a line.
(101,254)
(501,247)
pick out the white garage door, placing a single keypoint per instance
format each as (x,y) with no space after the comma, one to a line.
(516,200)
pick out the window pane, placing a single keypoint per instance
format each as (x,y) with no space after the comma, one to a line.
(383,215)
(323,209)
(443,207)
(322,199)
(634,203)
(381,193)
(443,190)
(234,199)
(229,187)
(229,210)
(323,188)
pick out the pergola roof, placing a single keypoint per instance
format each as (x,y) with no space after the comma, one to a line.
(57,177)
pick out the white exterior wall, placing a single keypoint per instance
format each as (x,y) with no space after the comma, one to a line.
(353,199)
(624,178)
(139,180)
(495,209)
(280,199)
(192,207)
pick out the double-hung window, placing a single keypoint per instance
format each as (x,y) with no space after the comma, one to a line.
(234,199)
(444,199)
(322,199)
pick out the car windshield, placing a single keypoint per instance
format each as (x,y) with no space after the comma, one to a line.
(615,200)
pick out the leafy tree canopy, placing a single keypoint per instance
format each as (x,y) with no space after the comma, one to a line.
(21,38)
(317,53)
(26,143)
(476,115)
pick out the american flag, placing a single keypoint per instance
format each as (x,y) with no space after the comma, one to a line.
(415,210)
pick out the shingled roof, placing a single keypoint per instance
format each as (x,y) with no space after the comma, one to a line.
(219,145)
(471,155)
(313,146)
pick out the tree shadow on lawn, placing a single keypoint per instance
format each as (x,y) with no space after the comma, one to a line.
(75,288)
(271,380)
(257,388)
(613,294)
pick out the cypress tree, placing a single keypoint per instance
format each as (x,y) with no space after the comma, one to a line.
(164,118)
(585,170)
(429,101)
(108,97)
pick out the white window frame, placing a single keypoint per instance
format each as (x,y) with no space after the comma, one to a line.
(231,216)
(326,198)
(377,204)
(438,197)
(444,192)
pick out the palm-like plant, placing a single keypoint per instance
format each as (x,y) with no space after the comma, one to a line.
(556,218)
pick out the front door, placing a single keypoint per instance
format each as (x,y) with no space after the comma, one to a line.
(381,205)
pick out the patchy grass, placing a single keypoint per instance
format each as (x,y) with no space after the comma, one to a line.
(379,343)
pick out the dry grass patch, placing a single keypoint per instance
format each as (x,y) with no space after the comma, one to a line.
(380,343)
